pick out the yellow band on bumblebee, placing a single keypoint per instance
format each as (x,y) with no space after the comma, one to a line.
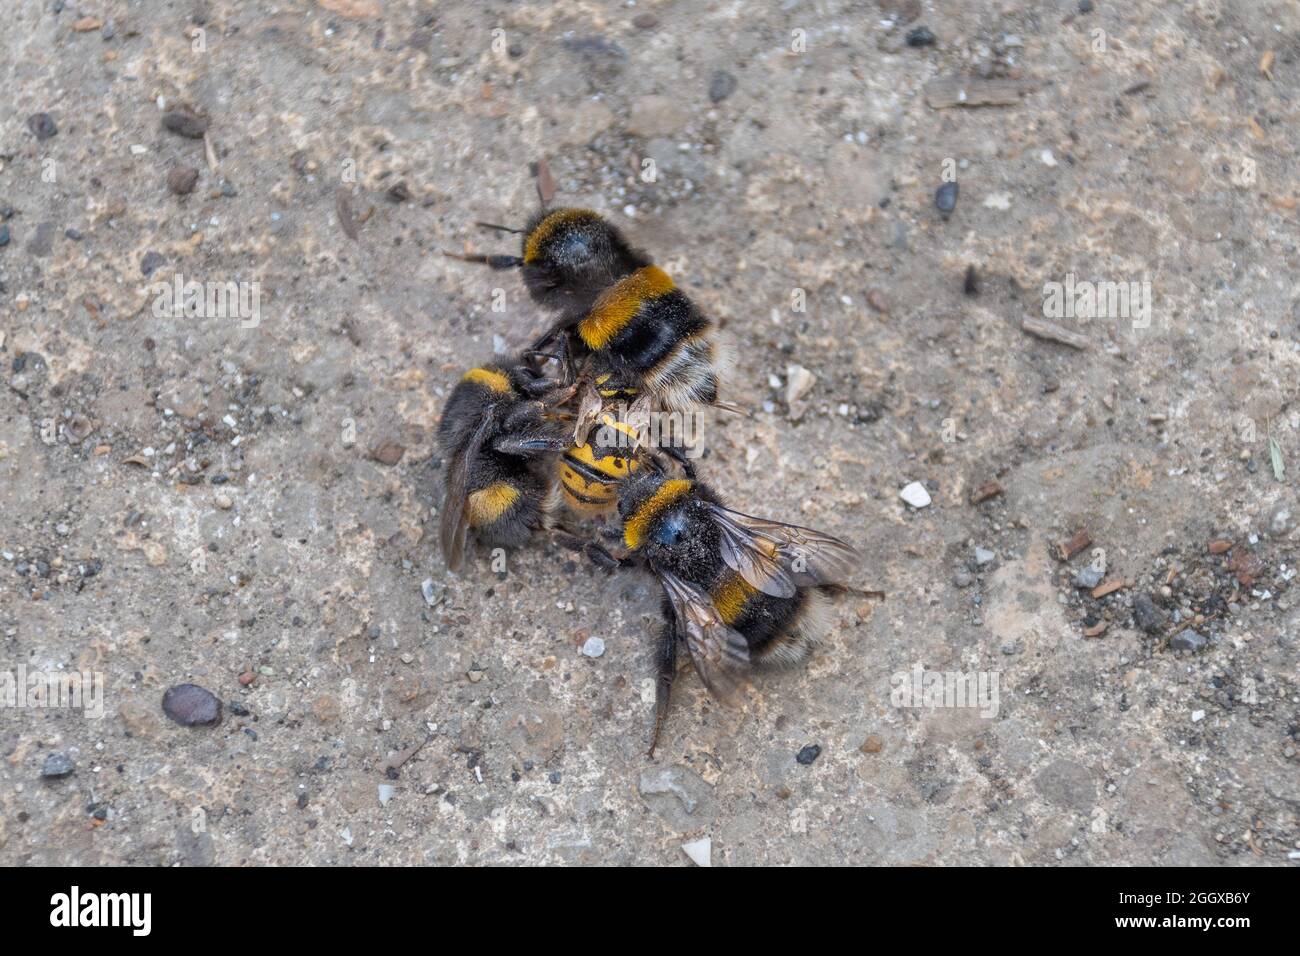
(616,307)
(491,378)
(488,504)
(665,496)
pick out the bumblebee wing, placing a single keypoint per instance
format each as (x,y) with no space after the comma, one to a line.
(755,558)
(453,524)
(781,556)
(720,654)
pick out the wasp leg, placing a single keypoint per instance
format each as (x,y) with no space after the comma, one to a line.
(666,660)
(679,455)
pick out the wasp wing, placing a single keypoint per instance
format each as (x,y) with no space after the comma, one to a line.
(776,557)
(720,653)
(453,527)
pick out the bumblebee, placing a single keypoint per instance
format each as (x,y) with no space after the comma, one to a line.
(739,591)
(568,256)
(501,446)
(643,336)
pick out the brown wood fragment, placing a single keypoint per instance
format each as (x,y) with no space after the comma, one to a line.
(1107,587)
(990,489)
(973,91)
(1054,333)
(1068,549)
(343,206)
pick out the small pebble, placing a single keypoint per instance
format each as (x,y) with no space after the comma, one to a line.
(921,36)
(42,125)
(721,85)
(184,123)
(151,262)
(700,851)
(191,705)
(1188,640)
(57,765)
(945,199)
(429,592)
(1088,577)
(181,179)
(808,754)
(593,647)
(915,495)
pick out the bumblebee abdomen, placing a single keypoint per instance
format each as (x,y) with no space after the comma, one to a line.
(491,503)
(507,511)
(783,631)
(622,308)
(477,389)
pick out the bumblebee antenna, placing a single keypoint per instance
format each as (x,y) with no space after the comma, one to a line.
(545,183)
(493,225)
(495,262)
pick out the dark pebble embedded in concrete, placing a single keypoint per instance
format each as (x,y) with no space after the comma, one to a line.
(4,236)
(808,754)
(150,262)
(57,765)
(921,36)
(721,85)
(191,705)
(1188,640)
(945,199)
(185,123)
(42,125)
(1146,615)
(182,179)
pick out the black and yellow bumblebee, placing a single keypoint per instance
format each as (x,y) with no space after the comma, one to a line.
(645,339)
(501,446)
(739,591)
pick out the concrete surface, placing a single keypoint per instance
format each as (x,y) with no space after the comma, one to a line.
(197,499)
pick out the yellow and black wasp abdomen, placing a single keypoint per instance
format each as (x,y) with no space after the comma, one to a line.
(590,473)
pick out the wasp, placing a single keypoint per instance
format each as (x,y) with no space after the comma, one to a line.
(739,591)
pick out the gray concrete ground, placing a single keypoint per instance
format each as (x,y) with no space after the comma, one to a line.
(215,500)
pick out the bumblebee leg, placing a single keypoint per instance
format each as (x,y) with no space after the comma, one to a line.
(666,660)
(493,225)
(594,552)
(495,262)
